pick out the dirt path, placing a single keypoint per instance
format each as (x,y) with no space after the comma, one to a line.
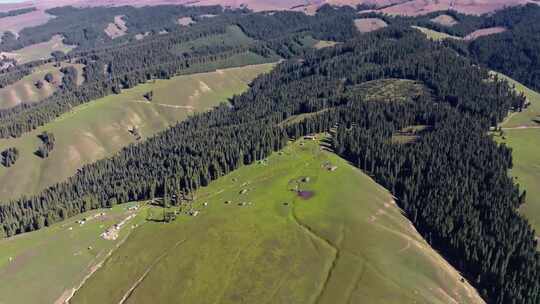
(165,105)
(521,128)
(139,281)
(67,295)
(335,252)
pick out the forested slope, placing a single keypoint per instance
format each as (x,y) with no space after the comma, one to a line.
(111,68)
(451,180)
(514,52)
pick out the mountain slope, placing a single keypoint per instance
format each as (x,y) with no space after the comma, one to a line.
(344,242)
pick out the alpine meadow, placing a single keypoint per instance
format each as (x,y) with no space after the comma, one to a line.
(363,151)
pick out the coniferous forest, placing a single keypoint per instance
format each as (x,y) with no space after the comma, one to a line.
(451,181)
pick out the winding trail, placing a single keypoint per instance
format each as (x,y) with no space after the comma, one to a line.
(521,128)
(143,276)
(335,252)
(66,297)
(165,105)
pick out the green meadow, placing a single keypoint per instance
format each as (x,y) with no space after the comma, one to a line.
(283,230)
(529,115)
(46,265)
(521,132)
(25,90)
(100,128)
(435,35)
(41,50)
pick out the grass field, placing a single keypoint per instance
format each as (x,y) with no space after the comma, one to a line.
(525,144)
(25,90)
(101,128)
(527,117)
(43,266)
(343,241)
(435,35)
(522,134)
(41,50)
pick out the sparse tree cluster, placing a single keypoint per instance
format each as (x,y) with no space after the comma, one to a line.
(149,95)
(9,157)
(47,144)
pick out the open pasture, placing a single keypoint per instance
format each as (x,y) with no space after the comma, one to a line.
(521,132)
(26,91)
(47,265)
(41,50)
(437,36)
(302,226)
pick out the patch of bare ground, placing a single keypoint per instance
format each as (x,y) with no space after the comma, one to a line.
(445,20)
(485,32)
(141,36)
(117,28)
(185,21)
(366,25)
(472,7)
(19,22)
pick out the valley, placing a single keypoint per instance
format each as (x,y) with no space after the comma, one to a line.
(101,128)
(379,151)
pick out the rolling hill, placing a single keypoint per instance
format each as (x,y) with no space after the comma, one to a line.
(338,238)
(102,127)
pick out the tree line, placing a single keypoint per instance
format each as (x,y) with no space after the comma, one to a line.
(110,69)
(515,52)
(9,156)
(452,182)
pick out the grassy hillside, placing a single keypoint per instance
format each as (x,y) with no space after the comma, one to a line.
(26,91)
(342,240)
(522,134)
(43,266)
(434,35)
(525,145)
(41,50)
(100,128)
(532,113)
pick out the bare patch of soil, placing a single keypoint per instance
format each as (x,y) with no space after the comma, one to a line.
(366,25)
(185,21)
(472,7)
(116,29)
(485,32)
(445,20)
